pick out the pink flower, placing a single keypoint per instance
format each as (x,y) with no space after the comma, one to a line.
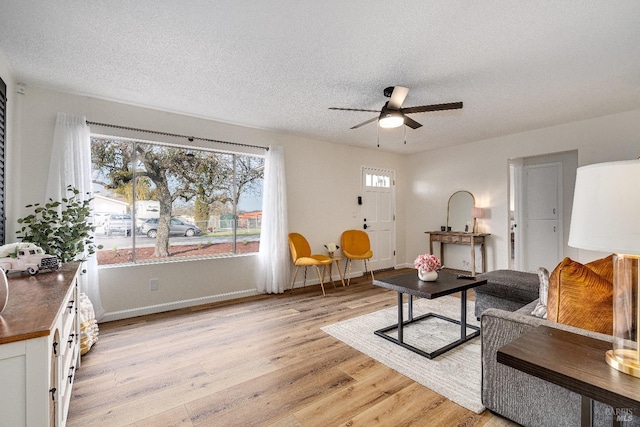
(427,262)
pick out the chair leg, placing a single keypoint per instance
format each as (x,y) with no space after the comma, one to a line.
(324,268)
(320,277)
(366,264)
(295,274)
(348,273)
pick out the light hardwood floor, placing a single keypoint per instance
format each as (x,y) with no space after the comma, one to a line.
(258,361)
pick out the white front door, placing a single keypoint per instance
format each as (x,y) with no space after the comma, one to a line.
(378,215)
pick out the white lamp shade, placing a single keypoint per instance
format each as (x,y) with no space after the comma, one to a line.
(606,208)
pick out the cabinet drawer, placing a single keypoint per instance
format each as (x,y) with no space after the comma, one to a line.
(67,371)
(69,312)
(449,239)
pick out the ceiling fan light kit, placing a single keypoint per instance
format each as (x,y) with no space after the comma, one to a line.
(391,119)
(392,115)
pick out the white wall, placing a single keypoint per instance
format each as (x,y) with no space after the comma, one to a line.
(481,167)
(323,182)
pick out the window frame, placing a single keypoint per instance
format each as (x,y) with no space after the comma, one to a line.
(132,211)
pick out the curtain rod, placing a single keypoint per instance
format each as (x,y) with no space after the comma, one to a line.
(190,138)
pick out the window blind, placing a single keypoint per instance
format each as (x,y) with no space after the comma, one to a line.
(3,133)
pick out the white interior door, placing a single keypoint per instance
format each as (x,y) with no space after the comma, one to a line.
(543,216)
(378,215)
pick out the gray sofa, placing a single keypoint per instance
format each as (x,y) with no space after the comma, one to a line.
(523,398)
(506,289)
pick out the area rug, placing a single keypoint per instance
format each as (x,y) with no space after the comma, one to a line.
(455,374)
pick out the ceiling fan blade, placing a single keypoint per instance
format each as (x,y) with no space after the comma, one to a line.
(353,109)
(411,123)
(434,107)
(365,123)
(397,97)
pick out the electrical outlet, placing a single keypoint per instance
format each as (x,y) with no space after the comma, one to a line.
(153,284)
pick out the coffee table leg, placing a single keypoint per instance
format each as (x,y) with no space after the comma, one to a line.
(400,322)
(410,307)
(463,315)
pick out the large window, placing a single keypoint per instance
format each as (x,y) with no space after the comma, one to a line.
(159,202)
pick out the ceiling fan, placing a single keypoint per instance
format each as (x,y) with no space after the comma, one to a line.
(393,115)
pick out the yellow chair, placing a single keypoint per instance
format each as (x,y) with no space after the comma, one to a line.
(302,257)
(356,245)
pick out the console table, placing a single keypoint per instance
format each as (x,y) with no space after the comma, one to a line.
(577,363)
(460,238)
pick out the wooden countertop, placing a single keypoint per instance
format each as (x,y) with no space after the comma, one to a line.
(34,302)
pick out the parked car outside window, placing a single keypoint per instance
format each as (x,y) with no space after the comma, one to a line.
(176,227)
(118,223)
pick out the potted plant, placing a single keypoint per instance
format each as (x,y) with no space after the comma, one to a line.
(331,248)
(428,266)
(62,228)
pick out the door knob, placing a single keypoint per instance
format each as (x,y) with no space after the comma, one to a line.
(365,226)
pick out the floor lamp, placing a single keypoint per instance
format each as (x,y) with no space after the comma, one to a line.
(606,218)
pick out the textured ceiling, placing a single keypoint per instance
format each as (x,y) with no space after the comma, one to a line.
(279,64)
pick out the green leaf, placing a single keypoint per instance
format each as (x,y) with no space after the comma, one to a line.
(65,234)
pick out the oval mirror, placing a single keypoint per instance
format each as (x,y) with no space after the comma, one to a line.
(459,211)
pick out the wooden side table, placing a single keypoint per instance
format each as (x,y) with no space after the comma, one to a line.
(460,238)
(577,363)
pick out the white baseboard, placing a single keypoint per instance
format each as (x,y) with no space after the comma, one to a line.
(174,305)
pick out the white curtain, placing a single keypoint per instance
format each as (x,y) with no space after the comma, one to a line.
(71,165)
(274,244)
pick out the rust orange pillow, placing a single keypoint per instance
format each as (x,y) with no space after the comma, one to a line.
(580,297)
(603,267)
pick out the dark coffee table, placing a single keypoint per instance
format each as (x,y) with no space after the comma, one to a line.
(446,284)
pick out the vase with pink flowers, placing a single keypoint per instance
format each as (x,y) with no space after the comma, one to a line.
(428,266)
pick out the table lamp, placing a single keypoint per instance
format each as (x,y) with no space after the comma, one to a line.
(475,214)
(606,218)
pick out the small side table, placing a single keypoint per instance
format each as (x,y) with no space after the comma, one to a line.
(577,363)
(337,260)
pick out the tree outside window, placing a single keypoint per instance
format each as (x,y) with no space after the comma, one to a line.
(181,201)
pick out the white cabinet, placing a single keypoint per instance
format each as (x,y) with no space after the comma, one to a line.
(39,348)
(543,234)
